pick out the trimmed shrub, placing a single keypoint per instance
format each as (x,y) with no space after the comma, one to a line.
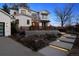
(51,37)
(34,42)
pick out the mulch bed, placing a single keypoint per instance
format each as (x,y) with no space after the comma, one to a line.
(36,42)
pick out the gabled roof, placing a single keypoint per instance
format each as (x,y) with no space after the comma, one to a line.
(6,14)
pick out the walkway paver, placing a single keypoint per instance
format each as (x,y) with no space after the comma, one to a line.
(9,47)
(59,48)
(62,44)
(67,39)
(49,51)
(68,35)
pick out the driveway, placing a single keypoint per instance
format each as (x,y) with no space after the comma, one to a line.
(9,47)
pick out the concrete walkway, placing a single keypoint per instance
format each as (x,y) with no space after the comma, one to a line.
(60,47)
(50,51)
(67,46)
(9,47)
(67,39)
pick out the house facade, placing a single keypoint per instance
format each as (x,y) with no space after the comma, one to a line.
(30,19)
(5,23)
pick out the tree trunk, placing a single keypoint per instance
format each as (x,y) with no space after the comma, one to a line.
(62,24)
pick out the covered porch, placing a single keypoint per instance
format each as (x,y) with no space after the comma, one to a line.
(36,25)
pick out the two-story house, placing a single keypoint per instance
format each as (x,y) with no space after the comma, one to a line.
(30,19)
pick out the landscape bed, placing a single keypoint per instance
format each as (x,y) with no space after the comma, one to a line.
(36,41)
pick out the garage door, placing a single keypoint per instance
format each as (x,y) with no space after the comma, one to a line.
(2,26)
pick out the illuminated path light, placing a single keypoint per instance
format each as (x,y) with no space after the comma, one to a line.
(59,48)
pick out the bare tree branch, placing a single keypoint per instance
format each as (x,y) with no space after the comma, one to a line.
(65,14)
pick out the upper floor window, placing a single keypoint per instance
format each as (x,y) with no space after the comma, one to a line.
(44,16)
(23,11)
(28,22)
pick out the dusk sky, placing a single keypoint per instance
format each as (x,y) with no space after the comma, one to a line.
(51,8)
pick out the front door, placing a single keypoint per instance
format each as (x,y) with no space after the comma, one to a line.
(2,26)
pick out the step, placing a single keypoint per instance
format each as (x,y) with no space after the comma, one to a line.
(67,39)
(52,51)
(62,44)
(70,36)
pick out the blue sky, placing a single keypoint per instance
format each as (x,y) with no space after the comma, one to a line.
(47,6)
(51,8)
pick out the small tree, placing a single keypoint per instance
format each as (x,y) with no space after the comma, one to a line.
(64,15)
(5,8)
(23,5)
(17,5)
(14,6)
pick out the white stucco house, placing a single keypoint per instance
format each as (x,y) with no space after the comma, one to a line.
(23,16)
(5,23)
(28,17)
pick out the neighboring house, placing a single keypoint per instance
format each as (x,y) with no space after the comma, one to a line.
(29,18)
(5,23)
(44,20)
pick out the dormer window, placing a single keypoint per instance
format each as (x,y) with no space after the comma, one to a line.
(23,11)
